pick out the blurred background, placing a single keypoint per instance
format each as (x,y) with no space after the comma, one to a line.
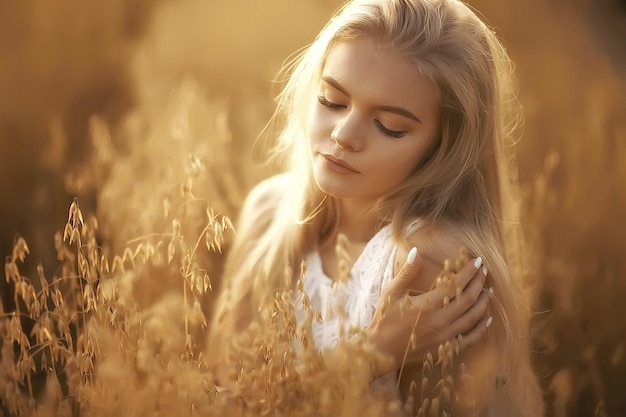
(109,101)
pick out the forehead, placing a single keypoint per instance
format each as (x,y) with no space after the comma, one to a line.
(373,71)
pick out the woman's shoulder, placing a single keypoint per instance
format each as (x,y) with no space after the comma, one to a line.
(264,196)
(268,191)
(435,244)
(261,203)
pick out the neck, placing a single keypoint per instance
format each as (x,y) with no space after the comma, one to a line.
(358,220)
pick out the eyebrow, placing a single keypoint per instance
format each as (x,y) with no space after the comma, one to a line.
(391,109)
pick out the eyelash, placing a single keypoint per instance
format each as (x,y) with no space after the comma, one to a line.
(396,134)
(331,106)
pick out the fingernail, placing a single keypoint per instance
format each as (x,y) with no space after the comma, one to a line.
(491,290)
(478,262)
(485,272)
(410,258)
(488,322)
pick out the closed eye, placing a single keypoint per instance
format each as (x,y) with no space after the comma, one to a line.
(388,132)
(331,106)
(336,107)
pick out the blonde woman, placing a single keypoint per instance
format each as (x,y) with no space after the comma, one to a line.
(395,127)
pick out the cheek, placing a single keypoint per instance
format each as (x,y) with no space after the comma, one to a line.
(312,125)
(401,165)
(314,134)
(403,171)
(320,120)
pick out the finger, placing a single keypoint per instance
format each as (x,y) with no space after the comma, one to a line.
(470,279)
(469,294)
(476,334)
(469,271)
(407,274)
(430,300)
(455,306)
(427,301)
(470,318)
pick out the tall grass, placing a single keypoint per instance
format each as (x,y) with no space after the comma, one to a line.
(121,332)
(169,174)
(118,327)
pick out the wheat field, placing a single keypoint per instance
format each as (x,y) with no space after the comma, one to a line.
(128,140)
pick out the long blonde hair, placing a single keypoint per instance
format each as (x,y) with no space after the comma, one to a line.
(464,186)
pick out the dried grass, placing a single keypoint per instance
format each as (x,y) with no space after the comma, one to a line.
(94,325)
(118,331)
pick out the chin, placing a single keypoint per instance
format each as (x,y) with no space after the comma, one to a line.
(340,189)
(334,188)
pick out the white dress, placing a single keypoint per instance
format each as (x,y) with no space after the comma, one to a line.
(359,294)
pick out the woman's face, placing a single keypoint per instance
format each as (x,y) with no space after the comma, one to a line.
(374,120)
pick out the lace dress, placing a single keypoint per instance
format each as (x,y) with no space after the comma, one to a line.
(359,294)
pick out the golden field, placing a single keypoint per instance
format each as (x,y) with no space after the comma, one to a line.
(148,113)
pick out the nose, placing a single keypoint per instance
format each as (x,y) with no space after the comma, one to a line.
(347,133)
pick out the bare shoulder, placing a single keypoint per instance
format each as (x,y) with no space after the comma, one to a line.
(266,192)
(262,200)
(434,246)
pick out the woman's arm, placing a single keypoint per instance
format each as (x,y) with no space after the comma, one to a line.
(233,310)
(435,248)
(421,321)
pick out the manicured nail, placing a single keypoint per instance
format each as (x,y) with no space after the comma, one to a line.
(488,322)
(485,272)
(478,262)
(491,290)
(410,258)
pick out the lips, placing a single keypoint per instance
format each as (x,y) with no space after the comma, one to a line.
(339,162)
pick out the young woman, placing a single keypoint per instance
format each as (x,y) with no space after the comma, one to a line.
(395,127)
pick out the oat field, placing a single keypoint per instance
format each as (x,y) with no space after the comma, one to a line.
(128,140)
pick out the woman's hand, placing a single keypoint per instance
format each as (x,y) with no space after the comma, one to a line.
(422,322)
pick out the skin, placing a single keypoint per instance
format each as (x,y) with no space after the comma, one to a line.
(378,114)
